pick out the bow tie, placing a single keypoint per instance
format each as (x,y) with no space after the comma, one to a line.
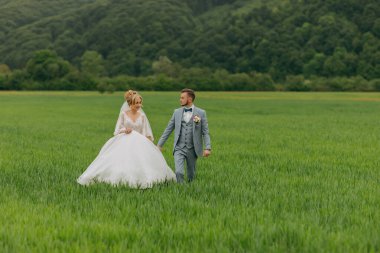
(188,110)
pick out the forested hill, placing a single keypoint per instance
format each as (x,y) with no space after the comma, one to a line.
(310,37)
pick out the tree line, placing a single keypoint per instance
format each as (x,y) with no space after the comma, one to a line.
(48,71)
(210,44)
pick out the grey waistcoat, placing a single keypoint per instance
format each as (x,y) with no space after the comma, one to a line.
(186,136)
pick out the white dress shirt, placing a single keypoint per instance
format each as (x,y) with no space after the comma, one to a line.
(187,115)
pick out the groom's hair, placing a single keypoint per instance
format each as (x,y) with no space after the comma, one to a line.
(189,92)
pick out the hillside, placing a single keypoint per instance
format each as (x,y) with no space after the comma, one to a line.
(329,38)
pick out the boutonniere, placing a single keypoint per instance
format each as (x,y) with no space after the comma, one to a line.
(196,119)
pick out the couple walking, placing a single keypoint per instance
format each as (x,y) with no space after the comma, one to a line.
(131,158)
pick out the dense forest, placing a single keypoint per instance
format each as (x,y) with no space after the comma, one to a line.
(204,44)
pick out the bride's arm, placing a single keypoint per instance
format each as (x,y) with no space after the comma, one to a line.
(147,130)
(119,128)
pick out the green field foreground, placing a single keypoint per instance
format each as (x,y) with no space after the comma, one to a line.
(289,172)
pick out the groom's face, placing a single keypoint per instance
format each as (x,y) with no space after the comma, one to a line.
(185,99)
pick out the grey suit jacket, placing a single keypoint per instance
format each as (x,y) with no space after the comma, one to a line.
(200,130)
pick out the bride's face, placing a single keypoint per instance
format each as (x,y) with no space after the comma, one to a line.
(137,105)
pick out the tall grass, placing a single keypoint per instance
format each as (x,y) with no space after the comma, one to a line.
(289,172)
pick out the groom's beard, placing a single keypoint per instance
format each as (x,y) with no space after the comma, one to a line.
(187,104)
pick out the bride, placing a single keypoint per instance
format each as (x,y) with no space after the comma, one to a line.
(130,157)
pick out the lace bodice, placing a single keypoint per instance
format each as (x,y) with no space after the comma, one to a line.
(141,125)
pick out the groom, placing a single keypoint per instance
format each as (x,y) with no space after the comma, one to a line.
(190,131)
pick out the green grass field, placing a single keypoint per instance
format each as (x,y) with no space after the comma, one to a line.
(290,172)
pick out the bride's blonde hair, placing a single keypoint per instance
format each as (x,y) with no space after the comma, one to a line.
(131,97)
(128,96)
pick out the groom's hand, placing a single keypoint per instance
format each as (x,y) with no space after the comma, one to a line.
(159,147)
(206,152)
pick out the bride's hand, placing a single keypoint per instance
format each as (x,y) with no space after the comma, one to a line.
(128,130)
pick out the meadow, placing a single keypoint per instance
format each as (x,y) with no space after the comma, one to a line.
(289,172)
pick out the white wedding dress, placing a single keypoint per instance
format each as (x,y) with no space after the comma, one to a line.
(130,159)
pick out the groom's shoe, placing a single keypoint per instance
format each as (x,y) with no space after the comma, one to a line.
(180,178)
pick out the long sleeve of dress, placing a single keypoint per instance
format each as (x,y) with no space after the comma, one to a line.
(146,129)
(119,128)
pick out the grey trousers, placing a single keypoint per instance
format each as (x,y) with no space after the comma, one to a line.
(180,156)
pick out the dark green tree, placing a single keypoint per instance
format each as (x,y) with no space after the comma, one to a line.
(92,63)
